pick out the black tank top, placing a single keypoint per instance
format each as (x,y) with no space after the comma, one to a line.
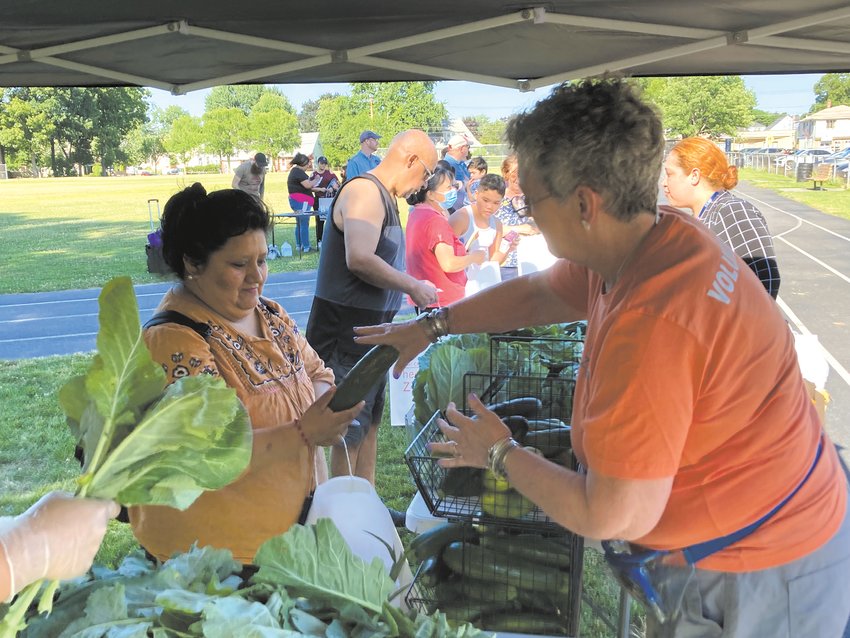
(342,299)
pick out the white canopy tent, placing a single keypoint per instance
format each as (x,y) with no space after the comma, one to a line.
(188,45)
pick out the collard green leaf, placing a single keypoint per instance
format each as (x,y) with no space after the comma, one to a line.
(123,378)
(448,365)
(315,561)
(196,438)
(233,616)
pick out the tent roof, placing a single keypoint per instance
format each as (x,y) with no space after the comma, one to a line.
(185,45)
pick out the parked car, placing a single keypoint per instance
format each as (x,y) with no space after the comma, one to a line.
(837,157)
(813,155)
(173,171)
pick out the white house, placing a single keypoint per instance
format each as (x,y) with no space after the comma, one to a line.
(827,128)
(779,133)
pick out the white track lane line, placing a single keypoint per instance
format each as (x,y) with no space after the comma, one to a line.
(833,362)
(141,294)
(800,222)
(797,217)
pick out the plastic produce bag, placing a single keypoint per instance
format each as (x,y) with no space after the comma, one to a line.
(358,512)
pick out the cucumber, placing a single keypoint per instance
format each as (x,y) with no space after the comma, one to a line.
(529,407)
(522,623)
(529,547)
(431,543)
(474,561)
(429,572)
(461,612)
(365,374)
(550,442)
(537,601)
(486,592)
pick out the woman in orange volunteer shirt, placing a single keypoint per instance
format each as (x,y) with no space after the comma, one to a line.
(216,246)
(689,413)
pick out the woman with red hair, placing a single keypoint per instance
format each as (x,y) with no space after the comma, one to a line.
(697,176)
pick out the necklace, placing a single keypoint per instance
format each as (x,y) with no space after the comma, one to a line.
(631,254)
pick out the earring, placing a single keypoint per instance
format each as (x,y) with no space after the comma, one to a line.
(189,277)
(585,224)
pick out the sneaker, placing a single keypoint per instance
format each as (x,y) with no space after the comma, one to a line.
(399,518)
(308,249)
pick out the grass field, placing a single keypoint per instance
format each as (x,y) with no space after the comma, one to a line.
(79,232)
(835,199)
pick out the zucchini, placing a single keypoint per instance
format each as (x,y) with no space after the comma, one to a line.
(474,561)
(431,542)
(550,442)
(537,601)
(486,592)
(518,425)
(459,612)
(365,374)
(522,623)
(462,481)
(528,407)
(530,547)
(545,424)
(429,572)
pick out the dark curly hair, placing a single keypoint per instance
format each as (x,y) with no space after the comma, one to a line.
(196,224)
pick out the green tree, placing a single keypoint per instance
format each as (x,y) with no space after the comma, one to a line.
(832,88)
(272,125)
(224,130)
(485,129)
(242,97)
(384,107)
(710,105)
(766,117)
(145,142)
(26,127)
(184,137)
(307,121)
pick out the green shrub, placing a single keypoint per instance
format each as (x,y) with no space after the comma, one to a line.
(96,170)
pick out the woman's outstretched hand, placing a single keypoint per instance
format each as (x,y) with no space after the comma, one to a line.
(408,338)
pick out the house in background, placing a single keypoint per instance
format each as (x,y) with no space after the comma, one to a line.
(779,133)
(310,145)
(829,128)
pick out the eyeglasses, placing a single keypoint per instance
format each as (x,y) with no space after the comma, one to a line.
(522,205)
(428,172)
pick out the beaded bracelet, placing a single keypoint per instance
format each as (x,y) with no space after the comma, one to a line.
(497,454)
(297,424)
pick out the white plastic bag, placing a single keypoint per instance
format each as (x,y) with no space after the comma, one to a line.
(358,512)
(813,363)
(480,277)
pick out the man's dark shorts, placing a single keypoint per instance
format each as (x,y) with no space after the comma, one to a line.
(373,411)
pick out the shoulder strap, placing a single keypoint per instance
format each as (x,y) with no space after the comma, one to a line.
(172,316)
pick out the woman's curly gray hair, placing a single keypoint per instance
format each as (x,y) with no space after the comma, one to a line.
(596,133)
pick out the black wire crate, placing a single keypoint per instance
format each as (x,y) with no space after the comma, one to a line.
(476,494)
(553,357)
(504,578)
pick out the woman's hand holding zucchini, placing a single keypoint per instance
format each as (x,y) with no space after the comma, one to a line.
(322,426)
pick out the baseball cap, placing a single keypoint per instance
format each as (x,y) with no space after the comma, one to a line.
(365,135)
(457,140)
(261,160)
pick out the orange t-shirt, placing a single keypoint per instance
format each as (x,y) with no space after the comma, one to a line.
(689,371)
(273,377)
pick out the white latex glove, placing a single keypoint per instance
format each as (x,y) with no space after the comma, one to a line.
(56,538)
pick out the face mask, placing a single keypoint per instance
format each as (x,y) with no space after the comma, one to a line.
(451,198)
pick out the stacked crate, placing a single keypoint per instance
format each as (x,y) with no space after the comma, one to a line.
(500,562)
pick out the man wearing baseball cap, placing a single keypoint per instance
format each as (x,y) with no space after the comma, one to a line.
(250,176)
(365,159)
(457,148)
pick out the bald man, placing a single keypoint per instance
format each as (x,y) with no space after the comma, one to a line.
(362,278)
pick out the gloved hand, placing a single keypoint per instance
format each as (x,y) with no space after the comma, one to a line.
(56,538)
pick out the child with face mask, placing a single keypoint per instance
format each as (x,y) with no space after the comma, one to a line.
(433,251)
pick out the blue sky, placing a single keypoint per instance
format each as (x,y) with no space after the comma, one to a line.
(791,94)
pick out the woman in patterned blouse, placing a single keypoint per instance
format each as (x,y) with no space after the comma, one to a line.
(514,224)
(216,246)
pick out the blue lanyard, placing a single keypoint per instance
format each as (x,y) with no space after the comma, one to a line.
(710,201)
